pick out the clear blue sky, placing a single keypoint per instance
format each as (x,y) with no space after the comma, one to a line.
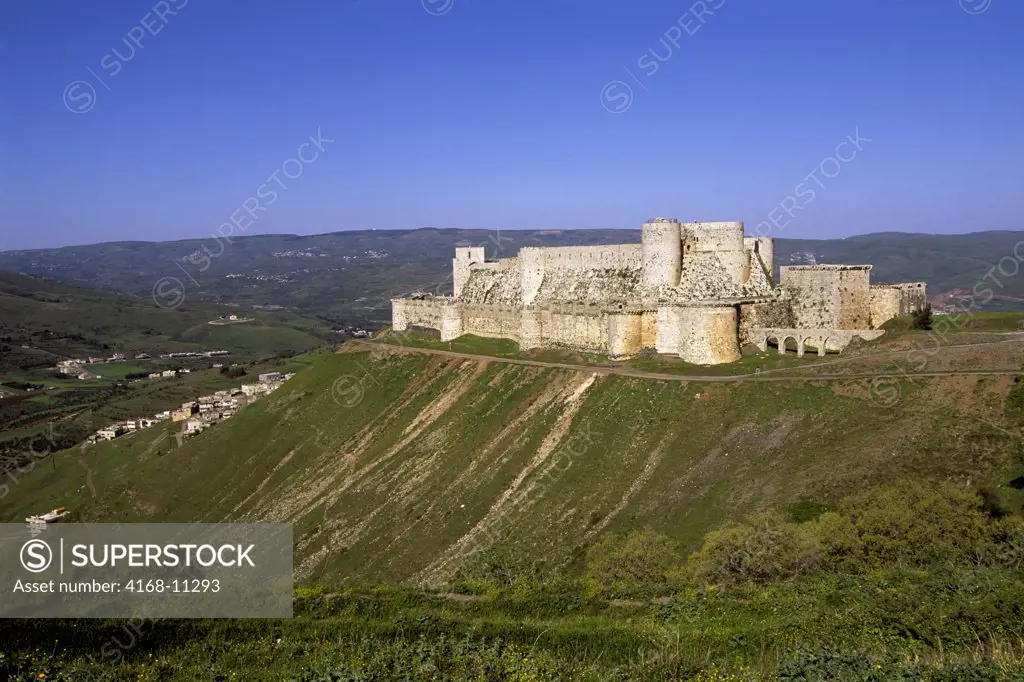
(492,114)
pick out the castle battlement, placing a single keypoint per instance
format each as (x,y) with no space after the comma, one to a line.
(699,290)
(826,268)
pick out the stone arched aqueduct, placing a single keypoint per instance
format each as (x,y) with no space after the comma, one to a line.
(822,341)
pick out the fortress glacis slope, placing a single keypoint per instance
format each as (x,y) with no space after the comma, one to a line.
(702,291)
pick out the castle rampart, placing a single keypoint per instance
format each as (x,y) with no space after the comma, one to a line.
(829,296)
(695,290)
(893,300)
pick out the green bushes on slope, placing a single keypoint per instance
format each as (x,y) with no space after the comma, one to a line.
(908,525)
(643,557)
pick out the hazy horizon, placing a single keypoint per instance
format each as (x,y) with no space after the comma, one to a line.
(482,229)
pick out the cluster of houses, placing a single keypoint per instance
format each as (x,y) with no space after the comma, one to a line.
(76,367)
(168,373)
(201,413)
(128,426)
(354,332)
(231,319)
(194,354)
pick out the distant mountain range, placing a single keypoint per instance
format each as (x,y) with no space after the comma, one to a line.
(349,277)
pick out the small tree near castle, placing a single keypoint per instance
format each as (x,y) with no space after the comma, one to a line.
(922,319)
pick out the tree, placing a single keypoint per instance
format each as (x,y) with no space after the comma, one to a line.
(233,372)
(922,319)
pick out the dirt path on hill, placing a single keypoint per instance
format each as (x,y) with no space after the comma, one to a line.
(642,374)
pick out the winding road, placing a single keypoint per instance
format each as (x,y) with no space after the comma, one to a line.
(733,378)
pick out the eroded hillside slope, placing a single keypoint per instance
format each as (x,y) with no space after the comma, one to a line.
(407,467)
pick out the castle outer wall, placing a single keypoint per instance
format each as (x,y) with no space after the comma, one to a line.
(895,300)
(698,291)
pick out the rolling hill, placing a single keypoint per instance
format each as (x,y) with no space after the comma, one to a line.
(349,277)
(472,518)
(410,468)
(43,321)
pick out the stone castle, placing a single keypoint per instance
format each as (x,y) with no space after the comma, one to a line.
(701,291)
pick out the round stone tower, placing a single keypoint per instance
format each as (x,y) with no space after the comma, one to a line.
(661,252)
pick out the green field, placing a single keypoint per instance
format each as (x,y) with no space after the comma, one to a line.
(44,321)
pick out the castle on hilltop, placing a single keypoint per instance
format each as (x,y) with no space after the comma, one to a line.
(702,291)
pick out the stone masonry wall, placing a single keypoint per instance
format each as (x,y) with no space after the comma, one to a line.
(762,248)
(496,282)
(625,334)
(649,329)
(668,326)
(885,305)
(578,329)
(536,263)
(465,257)
(769,314)
(703,335)
(492,321)
(829,296)
(815,296)
(854,299)
(708,335)
(893,300)
(407,312)
(598,285)
(661,253)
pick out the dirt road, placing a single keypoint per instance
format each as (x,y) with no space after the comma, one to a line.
(633,372)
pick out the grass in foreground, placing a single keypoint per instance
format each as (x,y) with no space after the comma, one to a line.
(928,588)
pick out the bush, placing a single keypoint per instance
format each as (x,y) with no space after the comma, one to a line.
(762,550)
(922,319)
(904,525)
(909,525)
(233,372)
(641,558)
(828,665)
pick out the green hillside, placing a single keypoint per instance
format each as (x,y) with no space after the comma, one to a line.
(409,468)
(43,321)
(471,519)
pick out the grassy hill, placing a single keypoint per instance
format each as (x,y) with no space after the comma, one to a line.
(471,519)
(410,468)
(349,277)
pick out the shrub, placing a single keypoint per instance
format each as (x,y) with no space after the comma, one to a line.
(828,665)
(764,549)
(643,557)
(904,525)
(1006,543)
(911,524)
(922,319)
